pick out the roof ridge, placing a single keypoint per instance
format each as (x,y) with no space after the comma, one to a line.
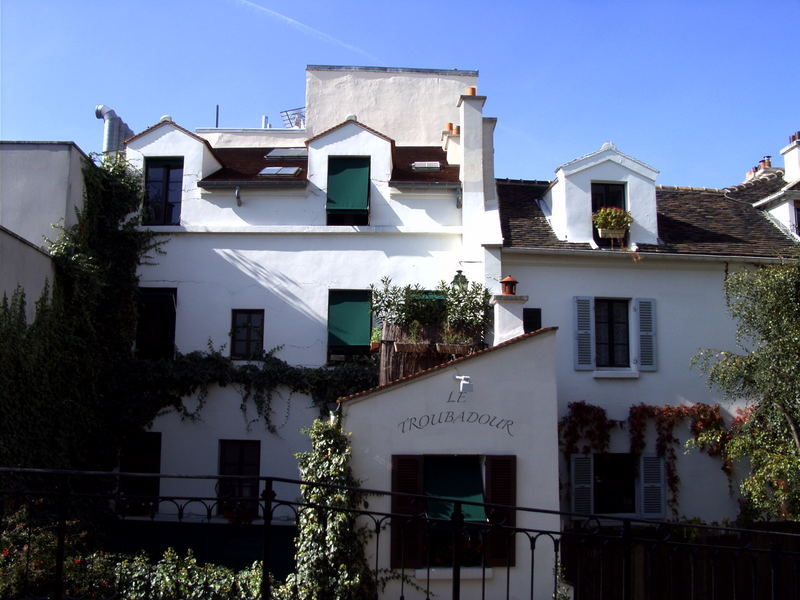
(688,188)
(522,181)
(778,172)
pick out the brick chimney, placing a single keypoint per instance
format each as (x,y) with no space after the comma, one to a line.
(791,158)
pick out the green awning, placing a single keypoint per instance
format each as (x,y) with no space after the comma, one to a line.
(348,184)
(349,318)
(456,477)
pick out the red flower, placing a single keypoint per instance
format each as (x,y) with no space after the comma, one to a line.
(6,552)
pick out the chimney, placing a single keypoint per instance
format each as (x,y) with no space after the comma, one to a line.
(508,312)
(791,158)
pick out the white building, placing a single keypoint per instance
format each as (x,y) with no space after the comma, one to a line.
(41,184)
(274,236)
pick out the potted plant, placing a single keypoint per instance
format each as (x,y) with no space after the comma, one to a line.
(375,339)
(413,342)
(455,342)
(611,222)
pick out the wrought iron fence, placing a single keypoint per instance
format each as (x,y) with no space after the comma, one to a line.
(54,521)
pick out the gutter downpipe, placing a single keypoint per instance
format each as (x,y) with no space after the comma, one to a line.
(649,255)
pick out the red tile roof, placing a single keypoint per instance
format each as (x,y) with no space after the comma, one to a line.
(245,164)
(405,156)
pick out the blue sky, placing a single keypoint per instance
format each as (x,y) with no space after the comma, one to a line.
(700,90)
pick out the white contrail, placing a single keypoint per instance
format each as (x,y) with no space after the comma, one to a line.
(309,30)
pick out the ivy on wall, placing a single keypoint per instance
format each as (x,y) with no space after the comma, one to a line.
(586,429)
(72,390)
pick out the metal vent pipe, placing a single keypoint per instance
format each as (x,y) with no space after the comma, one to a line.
(115,130)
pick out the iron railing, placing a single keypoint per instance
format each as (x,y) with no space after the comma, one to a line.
(601,557)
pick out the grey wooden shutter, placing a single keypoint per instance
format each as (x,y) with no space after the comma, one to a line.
(584,333)
(651,475)
(501,488)
(582,479)
(646,316)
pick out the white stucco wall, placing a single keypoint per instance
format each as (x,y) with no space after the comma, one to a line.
(191,447)
(288,275)
(570,199)
(410,107)
(253,138)
(198,162)
(41,184)
(691,313)
(514,383)
(22,264)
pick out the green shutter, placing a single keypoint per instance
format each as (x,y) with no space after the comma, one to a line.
(349,320)
(456,477)
(348,184)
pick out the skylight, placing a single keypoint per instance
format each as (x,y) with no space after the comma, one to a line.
(279,171)
(431,165)
(287,153)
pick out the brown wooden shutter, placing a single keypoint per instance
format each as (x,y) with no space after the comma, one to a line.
(407,535)
(501,488)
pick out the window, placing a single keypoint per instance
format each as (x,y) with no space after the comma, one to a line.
(490,479)
(348,190)
(617,484)
(239,496)
(603,334)
(140,454)
(247,334)
(349,322)
(531,319)
(611,333)
(155,325)
(607,195)
(163,183)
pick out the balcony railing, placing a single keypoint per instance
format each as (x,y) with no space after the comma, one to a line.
(598,557)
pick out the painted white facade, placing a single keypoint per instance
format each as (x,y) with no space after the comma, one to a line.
(41,185)
(690,313)
(272,250)
(512,402)
(569,201)
(411,106)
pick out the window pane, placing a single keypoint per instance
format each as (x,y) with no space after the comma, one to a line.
(457,477)
(155,325)
(247,333)
(614,483)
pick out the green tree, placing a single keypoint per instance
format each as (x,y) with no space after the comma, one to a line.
(765,302)
(329,559)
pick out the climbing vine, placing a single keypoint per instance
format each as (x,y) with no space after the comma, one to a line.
(72,389)
(589,423)
(329,558)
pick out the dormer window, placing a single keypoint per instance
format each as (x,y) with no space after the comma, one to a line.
(607,195)
(348,190)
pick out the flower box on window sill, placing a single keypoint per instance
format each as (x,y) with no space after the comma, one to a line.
(412,347)
(614,234)
(457,349)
